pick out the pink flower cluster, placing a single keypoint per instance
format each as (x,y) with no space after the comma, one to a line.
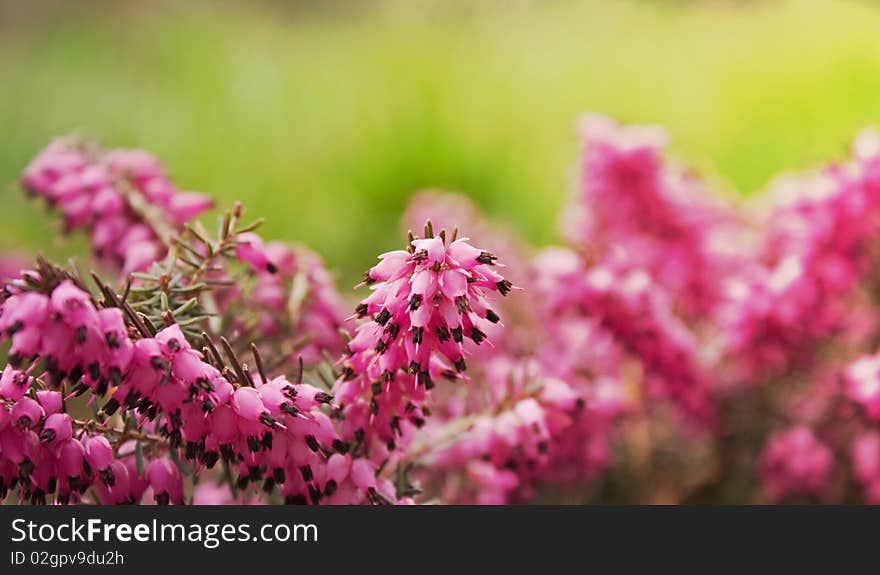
(675,348)
(426,303)
(66,330)
(122,198)
(659,216)
(807,284)
(272,433)
(624,305)
(796,464)
(862,385)
(865,455)
(720,312)
(504,450)
(43,455)
(294,296)
(678,287)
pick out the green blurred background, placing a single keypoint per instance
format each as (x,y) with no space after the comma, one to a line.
(326,116)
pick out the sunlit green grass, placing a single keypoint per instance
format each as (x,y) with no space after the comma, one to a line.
(325,123)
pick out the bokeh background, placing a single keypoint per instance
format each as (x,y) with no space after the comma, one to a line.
(326,116)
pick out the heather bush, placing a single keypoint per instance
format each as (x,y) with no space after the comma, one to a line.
(677,347)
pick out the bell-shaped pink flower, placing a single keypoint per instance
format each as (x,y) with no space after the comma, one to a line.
(27,413)
(166,481)
(14,383)
(52,401)
(71,457)
(56,429)
(99,455)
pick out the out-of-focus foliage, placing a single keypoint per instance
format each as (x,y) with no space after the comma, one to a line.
(307,111)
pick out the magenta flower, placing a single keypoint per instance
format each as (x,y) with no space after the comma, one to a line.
(57,429)
(22,318)
(294,297)
(862,385)
(429,299)
(165,479)
(71,466)
(599,315)
(814,264)
(99,456)
(528,417)
(795,464)
(27,413)
(52,401)
(625,302)
(630,199)
(667,340)
(448,210)
(118,491)
(122,198)
(426,303)
(14,383)
(865,456)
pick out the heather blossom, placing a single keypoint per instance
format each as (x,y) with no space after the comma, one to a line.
(428,305)
(629,198)
(675,348)
(449,210)
(807,288)
(862,384)
(294,295)
(794,464)
(122,198)
(865,456)
(505,450)
(619,303)
(272,432)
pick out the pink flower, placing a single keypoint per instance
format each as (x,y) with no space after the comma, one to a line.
(22,318)
(116,485)
(795,464)
(99,455)
(495,483)
(450,210)
(14,383)
(122,198)
(251,250)
(27,413)
(294,297)
(248,405)
(812,267)
(52,401)
(430,299)
(630,199)
(57,429)
(11,264)
(210,493)
(426,302)
(626,304)
(528,430)
(863,385)
(186,206)
(166,481)
(71,457)
(865,454)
